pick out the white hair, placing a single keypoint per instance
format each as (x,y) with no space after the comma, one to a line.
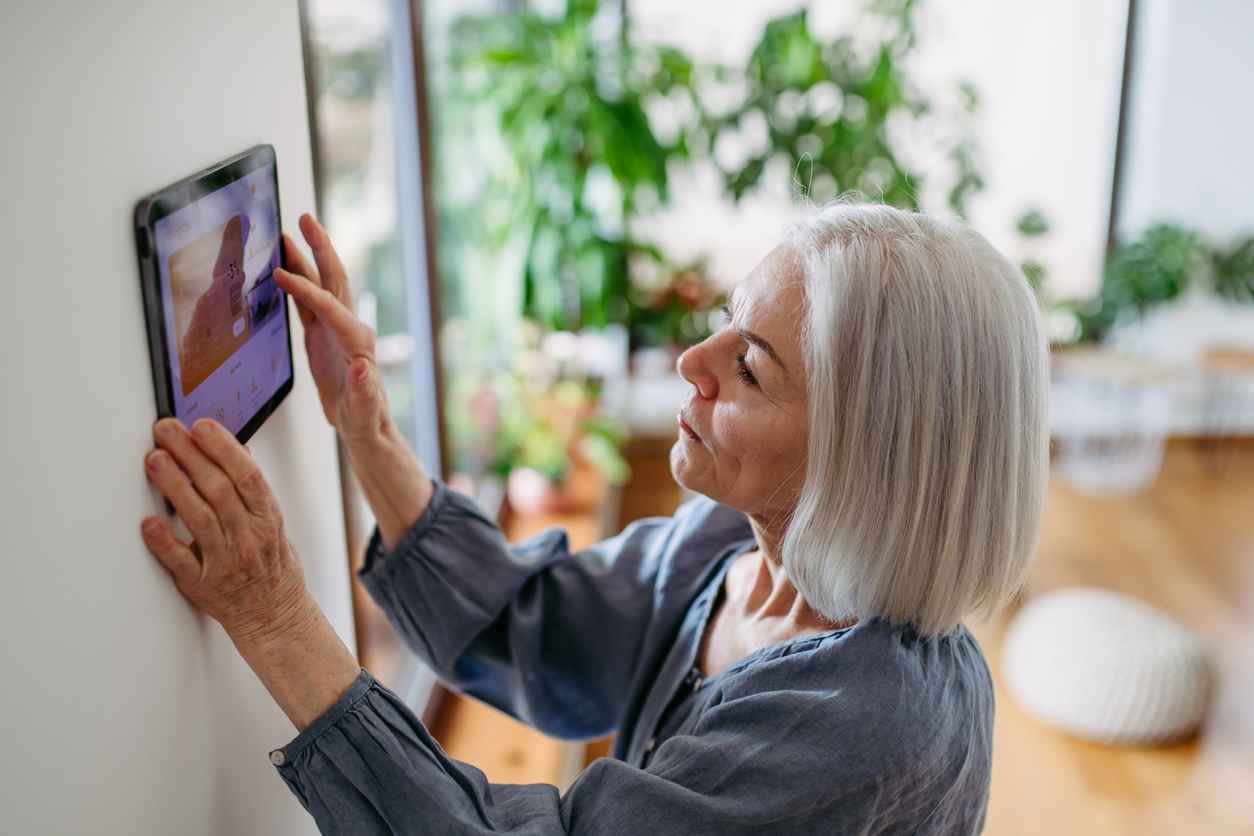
(927,373)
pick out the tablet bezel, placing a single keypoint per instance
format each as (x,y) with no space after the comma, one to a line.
(158,205)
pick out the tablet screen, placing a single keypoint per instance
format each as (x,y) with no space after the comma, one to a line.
(228,344)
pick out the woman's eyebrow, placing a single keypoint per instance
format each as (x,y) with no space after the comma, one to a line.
(750,337)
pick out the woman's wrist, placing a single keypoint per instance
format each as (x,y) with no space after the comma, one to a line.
(286,614)
(393,480)
(300,660)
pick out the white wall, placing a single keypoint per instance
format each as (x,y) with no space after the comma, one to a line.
(1048,75)
(1190,125)
(122,711)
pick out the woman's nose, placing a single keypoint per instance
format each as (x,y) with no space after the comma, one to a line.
(693,367)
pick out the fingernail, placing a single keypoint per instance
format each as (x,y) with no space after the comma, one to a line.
(203,428)
(152,527)
(153,461)
(166,430)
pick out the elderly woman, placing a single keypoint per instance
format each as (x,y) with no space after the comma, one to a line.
(783,655)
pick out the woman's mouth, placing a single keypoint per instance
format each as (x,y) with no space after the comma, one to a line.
(687,430)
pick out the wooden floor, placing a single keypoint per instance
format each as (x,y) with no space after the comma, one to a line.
(1186,545)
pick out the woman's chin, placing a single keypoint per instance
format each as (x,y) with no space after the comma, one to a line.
(685,470)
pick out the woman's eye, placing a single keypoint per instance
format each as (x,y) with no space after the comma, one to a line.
(743,372)
(742,368)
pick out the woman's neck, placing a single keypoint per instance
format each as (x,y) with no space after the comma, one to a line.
(770,596)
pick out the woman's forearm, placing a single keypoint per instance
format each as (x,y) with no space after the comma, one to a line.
(395,484)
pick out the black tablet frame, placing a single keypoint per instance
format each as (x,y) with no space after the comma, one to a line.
(161,203)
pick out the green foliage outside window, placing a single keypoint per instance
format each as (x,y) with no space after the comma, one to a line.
(569,104)
(570,96)
(1157,266)
(827,106)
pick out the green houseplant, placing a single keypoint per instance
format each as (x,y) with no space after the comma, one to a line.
(1155,267)
(674,309)
(550,441)
(583,159)
(577,160)
(827,105)
(535,428)
(570,105)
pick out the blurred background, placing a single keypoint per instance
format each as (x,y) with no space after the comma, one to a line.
(557,196)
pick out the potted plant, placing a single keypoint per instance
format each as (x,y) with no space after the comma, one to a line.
(670,310)
(1152,269)
(581,157)
(547,441)
(555,450)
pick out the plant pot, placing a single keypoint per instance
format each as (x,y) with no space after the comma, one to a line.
(532,493)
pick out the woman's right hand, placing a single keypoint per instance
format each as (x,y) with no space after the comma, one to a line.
(340,346)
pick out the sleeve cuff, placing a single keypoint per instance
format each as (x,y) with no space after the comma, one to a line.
(286,755)
(376,553)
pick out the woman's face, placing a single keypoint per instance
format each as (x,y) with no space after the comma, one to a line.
(748,403)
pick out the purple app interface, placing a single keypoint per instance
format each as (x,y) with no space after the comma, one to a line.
(226,333)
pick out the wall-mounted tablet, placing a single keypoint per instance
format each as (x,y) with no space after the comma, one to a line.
(218,331)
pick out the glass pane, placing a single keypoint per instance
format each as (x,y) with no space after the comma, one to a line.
(479,298)
(356,146)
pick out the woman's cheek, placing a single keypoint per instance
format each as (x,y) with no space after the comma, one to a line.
(771,449)
(738,436)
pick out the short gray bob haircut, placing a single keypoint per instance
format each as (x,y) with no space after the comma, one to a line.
(927,371)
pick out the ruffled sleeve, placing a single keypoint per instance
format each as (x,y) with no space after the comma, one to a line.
(548,635)
(369,766)
(800,759)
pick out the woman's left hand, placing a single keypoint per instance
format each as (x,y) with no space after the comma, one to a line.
(240,569)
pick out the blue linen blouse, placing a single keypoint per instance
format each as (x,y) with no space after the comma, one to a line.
(870,729)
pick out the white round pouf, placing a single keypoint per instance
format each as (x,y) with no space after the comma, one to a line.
(1104,666)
